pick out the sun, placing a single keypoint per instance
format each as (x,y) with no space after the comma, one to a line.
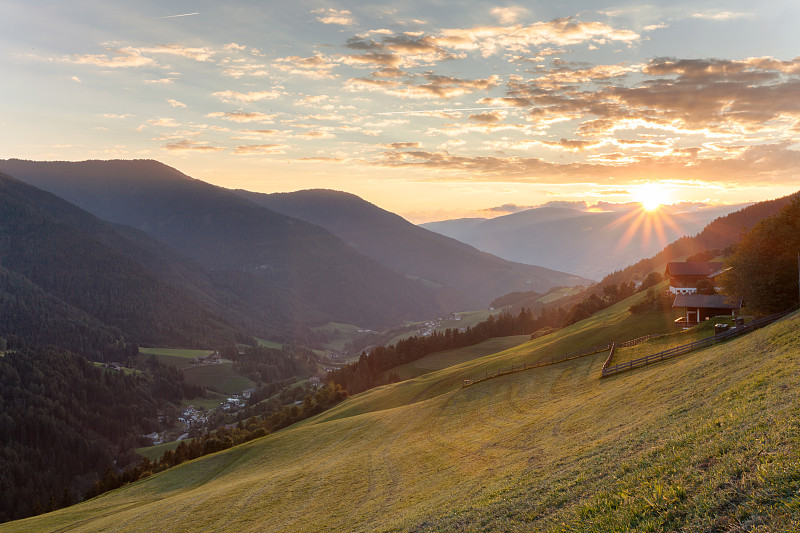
(651,195)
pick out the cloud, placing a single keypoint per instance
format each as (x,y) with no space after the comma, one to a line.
(164,122)
(246,98)
(402,145)
(720,15)
(564,76)
(186,145)
(768,164)
(332,16)
(429,85)
(239,116)
(317,66)
(117,116)
(490,40)
(76,79)
(175,103)
(161,81)
(508,15)
(508,208)
(124,58)
(397,50)
(488,117)
(577,204)
(261,149)
(201,54)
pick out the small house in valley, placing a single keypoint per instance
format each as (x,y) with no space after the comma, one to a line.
(700,307)
(684,276)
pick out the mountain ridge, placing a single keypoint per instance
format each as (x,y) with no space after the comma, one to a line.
(476,277)
(599,242)
(306,273)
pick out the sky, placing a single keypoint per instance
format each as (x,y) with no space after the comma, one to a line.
(429,109)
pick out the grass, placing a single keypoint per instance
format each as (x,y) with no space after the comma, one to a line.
(177,357)
(709,441)
(213,400)
(125,370)
(269,344)
(220,377)
(671,340)
(440,360)
(183,353)
(155,452)
(552,296)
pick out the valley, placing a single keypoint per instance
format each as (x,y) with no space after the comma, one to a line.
(400,267)
(492,418)
(538,449)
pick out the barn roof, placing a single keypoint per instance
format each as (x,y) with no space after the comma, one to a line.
(695,268)
(708,301)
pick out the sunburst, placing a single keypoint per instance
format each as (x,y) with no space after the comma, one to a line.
(651,195)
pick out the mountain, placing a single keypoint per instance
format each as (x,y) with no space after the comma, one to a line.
(469,278)
(590,244)
(715,237)
(300,272)
(65,282)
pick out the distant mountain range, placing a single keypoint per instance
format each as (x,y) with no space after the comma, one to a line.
(467,278)
(585,243)
(200,264)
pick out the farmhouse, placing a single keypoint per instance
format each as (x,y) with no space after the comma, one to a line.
(700,307)
(683,276)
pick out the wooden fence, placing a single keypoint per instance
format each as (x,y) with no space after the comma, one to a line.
(610,355)
(527,366)
(692,346)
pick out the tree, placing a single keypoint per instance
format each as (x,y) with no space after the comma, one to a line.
(764,266)
(705,286)
(652,279)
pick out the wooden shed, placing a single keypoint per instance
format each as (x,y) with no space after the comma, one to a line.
(700,307)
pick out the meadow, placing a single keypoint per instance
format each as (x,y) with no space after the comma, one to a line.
(709,441)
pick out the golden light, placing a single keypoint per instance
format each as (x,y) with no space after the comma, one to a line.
(651,196)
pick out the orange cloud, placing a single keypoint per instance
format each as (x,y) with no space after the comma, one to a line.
(192,146)
(261,149)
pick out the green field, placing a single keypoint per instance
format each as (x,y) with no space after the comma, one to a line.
(219,377)
(672,340)
(175,352)
(213,400)
(560,293)
(709,441)
(155,452)
(177,357)
(269,344)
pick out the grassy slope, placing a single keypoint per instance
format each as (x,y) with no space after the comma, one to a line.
(220,377)
(707,441)
(448,358)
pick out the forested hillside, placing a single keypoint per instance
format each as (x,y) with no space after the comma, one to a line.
(63,420)
(303,273)
(75,270)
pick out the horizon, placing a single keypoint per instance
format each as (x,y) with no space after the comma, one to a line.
(432,112)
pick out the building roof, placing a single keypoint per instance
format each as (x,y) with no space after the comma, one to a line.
(708,301)
(695,268)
